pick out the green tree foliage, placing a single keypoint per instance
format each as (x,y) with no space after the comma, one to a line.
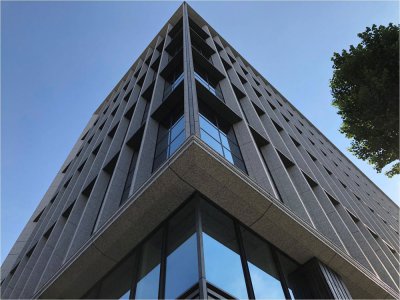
(365,89)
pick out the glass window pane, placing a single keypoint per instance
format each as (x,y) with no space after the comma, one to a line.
(222,261)
(117,284)
(211,142)
(182,264)
(176,143)
(209,128)
(228,155)
(264,277)
(149,273)
(177,128)
(224,140)
(288,266)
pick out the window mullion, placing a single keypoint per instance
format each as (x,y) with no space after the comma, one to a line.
(200,253)
(161,288)
(243,258)
(282,277)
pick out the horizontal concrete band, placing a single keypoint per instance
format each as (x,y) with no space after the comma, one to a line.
(195,167)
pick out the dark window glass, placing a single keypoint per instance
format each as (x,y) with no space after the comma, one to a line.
(222,139)
(129,178)
(173,82)
(149,272)
(263,273)
(182,264)
(117,284)
(221,253)
(171,134)
(209,84)
(288,267)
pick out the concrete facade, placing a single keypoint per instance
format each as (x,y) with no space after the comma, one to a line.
(296,187)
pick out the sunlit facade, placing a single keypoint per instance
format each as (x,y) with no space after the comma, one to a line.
(195,178)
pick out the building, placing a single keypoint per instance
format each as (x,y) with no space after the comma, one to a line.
(196,178)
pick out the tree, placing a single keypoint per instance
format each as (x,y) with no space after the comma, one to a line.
(365,90)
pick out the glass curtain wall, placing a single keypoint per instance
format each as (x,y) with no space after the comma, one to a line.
(233,262)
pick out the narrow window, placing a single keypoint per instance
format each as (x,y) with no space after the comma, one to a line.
(171,134)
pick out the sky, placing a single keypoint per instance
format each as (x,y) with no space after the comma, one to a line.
(59,60)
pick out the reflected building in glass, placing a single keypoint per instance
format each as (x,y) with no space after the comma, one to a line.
(195,178)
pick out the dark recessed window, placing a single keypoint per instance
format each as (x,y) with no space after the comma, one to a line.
(115,111)
(295,142)
(328,171)
(126,85)
(332,199)
(137,73)
(312,156)
(286,119)
(220,136)
(96,150)
(38,216)
(66,168)
(277,126)
(46,235)
(310,181)
(219,48)
(112,132)
(285,160)
(29,253)
(67,212)
(127,96)
(171,134)
(271,105)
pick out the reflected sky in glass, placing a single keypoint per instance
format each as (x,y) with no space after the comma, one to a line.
(147,287)
(182,271)
(265,286)
(224,268)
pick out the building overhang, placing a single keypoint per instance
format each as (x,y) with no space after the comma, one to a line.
(197,168)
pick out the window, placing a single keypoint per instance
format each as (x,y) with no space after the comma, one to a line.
(265,278)
(173,82)
(171,134)
(117,284)
(181,262)
(129,178)
(209,84)
(149,271)
(221,253)
(220,136)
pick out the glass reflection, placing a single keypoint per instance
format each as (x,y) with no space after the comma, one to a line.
(182,264)
(264,277)
(224,144)
(221,254)
(149,273)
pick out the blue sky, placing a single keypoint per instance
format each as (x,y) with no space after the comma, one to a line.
(61,59)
